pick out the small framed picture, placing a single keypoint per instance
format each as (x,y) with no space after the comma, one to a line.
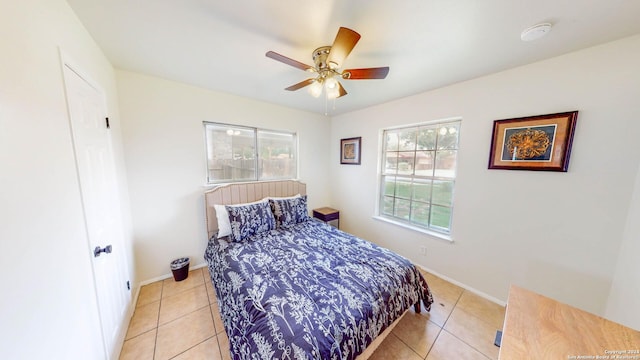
(540,142)
(350,151)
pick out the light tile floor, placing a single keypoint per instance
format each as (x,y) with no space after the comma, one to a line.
(180,320)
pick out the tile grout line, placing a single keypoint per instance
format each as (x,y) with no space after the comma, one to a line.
(434,343)
(481,319)
(407,345)
(155,342)
(469,345)
(139,335)
(411,347)
(215,329)
(168,322)
(182,290)
(452,309)
(452,334)
(444,323)
(212,322)
(185,350)
(157,326)
(185,314)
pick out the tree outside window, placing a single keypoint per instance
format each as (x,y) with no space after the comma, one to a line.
(418,175)
(238,153)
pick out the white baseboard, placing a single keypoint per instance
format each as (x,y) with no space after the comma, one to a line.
(167,276)
(464,286)
(152,280)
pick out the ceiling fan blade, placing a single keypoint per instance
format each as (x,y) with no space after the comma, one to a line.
(289,61)
(345,41)
(341,90)
(367,73)
(300,85)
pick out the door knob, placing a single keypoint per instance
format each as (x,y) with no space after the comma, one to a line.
(96,252)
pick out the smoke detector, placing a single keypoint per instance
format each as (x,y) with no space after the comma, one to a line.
(535,32)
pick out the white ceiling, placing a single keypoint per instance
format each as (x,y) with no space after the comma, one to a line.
(221,45)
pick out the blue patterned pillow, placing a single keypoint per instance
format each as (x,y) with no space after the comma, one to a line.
(250,219)
(290,211)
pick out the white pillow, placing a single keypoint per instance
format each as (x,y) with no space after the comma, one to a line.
(224,225)
(284,197)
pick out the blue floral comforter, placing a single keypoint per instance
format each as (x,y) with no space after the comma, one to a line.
(309,292)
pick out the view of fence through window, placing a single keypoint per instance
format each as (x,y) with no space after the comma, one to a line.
(237,153)
(418,174)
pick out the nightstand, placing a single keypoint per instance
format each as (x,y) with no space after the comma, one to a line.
(328,215)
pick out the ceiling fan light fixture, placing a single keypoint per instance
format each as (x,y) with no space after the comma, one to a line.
(315,89)
(331,83)
(333,93)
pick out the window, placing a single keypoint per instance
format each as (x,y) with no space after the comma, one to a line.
(238,153)
(418,175)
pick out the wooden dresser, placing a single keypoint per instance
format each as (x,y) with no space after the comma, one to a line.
(537,327)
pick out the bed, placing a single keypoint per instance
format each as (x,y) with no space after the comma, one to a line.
(292,287)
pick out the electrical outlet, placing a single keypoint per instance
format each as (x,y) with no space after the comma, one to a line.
(423,250)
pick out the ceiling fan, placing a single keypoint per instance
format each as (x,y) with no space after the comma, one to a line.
(328,60)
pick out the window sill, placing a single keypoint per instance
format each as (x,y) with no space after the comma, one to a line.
(415,228)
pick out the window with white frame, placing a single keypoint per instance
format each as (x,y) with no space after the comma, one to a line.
(240,153)
(418,175)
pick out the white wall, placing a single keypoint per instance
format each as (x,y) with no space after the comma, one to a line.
(625,291)
(559,234)
(48,307)
(165,157)
(555,233)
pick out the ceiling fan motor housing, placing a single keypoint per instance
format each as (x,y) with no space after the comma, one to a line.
(320,57)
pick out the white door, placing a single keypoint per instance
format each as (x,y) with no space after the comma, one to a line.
(102,214)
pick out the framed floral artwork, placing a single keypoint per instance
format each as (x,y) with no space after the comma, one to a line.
(540,142)
(350,151)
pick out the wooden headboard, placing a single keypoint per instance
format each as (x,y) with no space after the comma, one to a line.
(246,192)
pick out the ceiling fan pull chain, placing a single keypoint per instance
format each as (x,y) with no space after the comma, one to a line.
(326,101)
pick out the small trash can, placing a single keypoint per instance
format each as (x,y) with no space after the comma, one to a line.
(180,268)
